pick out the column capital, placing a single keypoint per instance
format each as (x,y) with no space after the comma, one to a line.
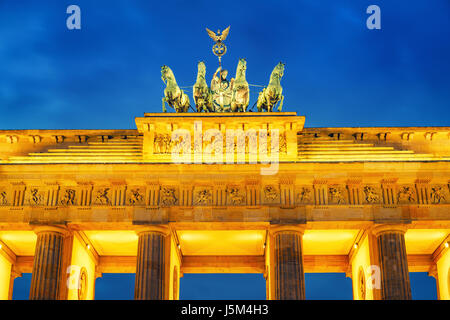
(157,228)
(389,228)
(61,229)
(297,228)
(98,275)
(433,271)
(15,273)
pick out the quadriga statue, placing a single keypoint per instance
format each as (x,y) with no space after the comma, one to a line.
(173,95)
(270,95)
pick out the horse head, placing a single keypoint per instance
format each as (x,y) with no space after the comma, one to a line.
(242,66)
(277,72)
(280,67)
(201,67)
(166,73)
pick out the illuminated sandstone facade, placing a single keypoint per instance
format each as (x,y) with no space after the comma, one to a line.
(371,202)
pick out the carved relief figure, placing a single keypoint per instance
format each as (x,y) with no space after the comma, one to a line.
(283,143)
(362,284)
(36,197)
(251,144)
(336,195)
(203,197)
(82,284)
(69,197)
(270,193)
(157,143)
(264,142)
(235,197)
(406,195)
(168,197)
(162,143)
(437,195)
(371,195)
(3,199)
(102,197)
(304,196)
(136,197)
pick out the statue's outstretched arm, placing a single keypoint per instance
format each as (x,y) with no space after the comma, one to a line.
(215,73)
(215,79)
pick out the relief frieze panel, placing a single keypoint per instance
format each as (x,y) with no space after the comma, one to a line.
(203,196)
(102,196)
(36,196)
(207,195)
(235,196)
(68,196)
(135,196)
(439,194)
(168,196)
(162,143)
(271,194)
(337,194)
(406,194)
(304,195)
(371,194)
(4,197)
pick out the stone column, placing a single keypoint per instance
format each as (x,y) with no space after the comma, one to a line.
(393,262)
(46,280)
(288,263)
(150,281)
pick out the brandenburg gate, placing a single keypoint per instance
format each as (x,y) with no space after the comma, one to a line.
(373,203)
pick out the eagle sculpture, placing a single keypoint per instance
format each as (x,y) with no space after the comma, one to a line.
(219,37)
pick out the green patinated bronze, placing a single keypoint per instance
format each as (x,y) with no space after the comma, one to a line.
(203,96)
(173,95)
(223,95)
(270,95)
(240,91)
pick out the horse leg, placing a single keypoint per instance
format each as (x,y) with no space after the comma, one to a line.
(164,105)
(281,103)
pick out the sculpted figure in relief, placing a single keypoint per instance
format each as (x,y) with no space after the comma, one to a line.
(337,196)
(371,195)
(406,194)
(437,195)
(102,197)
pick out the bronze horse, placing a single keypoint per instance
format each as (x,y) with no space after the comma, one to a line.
(173,95)
(202,93)
(240,96)
(270,95)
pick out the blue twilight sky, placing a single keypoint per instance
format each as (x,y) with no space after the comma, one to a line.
(338,73)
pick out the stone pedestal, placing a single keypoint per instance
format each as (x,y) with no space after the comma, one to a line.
(393,262)
(46,281)
(150,281)
(288,263)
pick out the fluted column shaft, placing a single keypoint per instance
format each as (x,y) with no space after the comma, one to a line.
(393,260)
(46,276)
(150,265)
(288,259)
